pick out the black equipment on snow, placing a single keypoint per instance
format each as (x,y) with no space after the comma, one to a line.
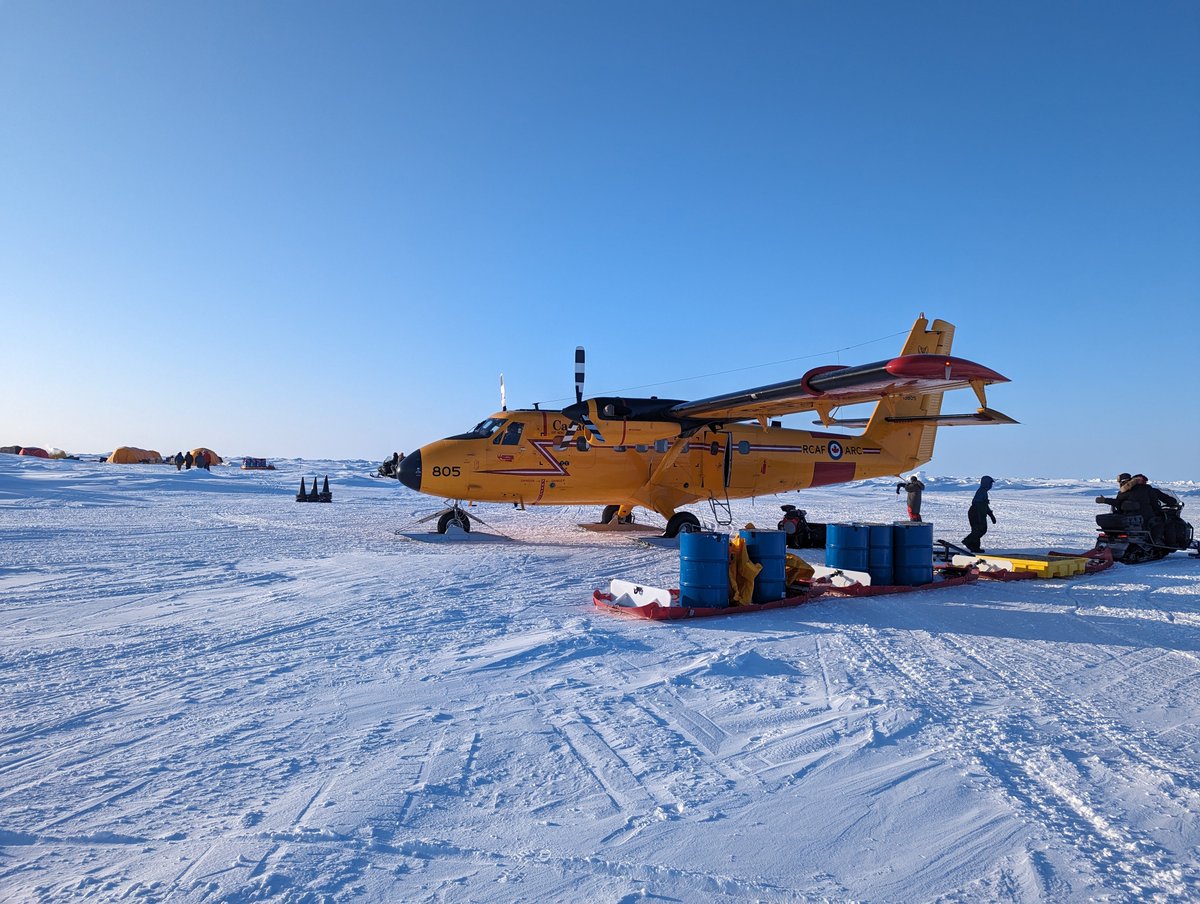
(801,534)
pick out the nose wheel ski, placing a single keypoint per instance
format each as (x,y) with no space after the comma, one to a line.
(453,516)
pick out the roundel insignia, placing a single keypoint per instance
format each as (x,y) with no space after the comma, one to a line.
(835,450)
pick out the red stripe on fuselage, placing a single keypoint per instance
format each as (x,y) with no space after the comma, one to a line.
(828,472)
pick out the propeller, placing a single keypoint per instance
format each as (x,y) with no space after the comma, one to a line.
(578,412)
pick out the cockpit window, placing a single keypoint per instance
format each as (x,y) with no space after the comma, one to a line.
(482,430)
(510,435)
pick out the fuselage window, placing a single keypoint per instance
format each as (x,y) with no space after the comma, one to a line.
(744,447)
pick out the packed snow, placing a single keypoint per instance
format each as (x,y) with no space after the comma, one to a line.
(213,693)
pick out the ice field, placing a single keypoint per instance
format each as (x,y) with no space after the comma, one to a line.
(209,692)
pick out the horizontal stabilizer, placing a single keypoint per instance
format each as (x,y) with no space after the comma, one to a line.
(982,416)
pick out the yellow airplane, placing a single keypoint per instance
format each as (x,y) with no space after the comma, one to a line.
(663,454)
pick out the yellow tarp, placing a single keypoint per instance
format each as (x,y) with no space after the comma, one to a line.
(213,457)
(797,569)
(742,572)
(130,455)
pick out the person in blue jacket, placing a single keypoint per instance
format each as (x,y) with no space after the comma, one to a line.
(978,514)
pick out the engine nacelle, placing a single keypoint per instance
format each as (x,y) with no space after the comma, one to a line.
(618,425)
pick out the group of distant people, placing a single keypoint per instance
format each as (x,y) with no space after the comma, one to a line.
(977,515)
(200,460)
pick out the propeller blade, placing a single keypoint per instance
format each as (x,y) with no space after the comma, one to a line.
(569,436)
(591,428)
(579,373)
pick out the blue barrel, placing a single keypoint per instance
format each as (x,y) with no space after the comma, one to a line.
(768,548)
(703,570)
(912,552)
(846,546)
(879,554)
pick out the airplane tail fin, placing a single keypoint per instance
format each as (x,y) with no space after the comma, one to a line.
(911,444)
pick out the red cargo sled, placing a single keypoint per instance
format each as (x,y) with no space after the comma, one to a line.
(801,594)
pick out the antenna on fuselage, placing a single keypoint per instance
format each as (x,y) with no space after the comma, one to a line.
(503,402)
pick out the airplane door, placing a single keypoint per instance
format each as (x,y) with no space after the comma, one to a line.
(716,465)
(727,465)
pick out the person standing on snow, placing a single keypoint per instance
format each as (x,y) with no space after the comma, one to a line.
(187,461)
(978,514)
(178,461)
(913,486)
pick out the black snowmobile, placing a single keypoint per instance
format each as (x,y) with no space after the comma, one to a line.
(390,467)
(801,534)
(1133,538)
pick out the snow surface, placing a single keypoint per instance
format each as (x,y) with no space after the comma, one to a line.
(212,693)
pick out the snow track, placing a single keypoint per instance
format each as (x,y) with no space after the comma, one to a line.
(211,693)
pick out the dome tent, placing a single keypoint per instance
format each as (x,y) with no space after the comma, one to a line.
(213,457)
(130,455)
(34,452)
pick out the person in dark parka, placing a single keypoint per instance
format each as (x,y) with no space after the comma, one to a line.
(178,461)
(913,488)
(1125,483)
(187,461)
(978,514)
(1138,497)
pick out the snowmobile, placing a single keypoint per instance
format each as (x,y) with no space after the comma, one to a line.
(1132,538)
(390,467)
(801,534)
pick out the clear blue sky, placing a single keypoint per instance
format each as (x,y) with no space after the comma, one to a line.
(318,229)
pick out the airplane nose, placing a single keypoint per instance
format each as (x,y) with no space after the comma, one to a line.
(410,471)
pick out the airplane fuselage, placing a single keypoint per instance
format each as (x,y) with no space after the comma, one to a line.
(518,457)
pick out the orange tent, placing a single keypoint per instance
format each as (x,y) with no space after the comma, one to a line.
(129,455)
(213,457)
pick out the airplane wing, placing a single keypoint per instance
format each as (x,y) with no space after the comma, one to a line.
(831,386)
